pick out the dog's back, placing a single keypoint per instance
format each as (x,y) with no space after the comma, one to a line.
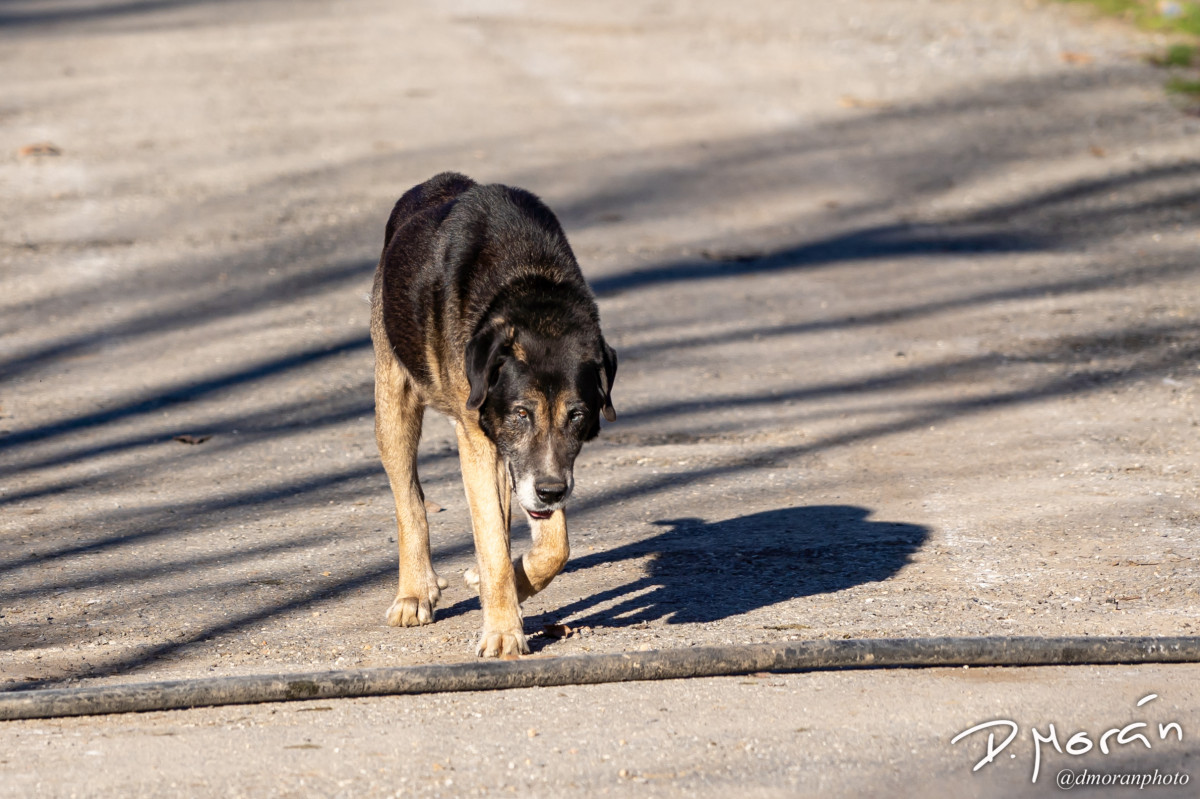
(452,248)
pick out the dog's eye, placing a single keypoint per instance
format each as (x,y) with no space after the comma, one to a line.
(576,416)
(522,413)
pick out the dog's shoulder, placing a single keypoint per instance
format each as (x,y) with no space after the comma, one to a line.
(499,236)
(512,213)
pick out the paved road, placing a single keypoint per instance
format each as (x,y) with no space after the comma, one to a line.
(906,297)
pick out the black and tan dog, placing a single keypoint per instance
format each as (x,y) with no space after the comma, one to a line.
(480,311)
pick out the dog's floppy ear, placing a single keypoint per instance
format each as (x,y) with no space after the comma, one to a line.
(482,360)
(608,373)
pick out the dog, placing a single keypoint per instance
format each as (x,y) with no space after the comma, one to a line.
(480,311)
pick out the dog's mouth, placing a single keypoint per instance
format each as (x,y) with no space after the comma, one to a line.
(539,514)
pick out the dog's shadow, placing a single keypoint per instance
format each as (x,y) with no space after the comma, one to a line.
(697,571)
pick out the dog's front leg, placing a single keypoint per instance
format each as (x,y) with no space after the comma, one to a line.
(537,567)
(488,495)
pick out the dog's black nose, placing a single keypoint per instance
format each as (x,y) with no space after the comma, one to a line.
(550,491)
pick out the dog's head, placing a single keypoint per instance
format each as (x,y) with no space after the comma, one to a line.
(540,397)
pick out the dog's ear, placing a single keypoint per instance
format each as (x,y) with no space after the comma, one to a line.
(482,360)
(608,373)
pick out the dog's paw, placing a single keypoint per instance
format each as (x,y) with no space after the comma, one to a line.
(409,611)
(413,608)
(471,578)
(502,643)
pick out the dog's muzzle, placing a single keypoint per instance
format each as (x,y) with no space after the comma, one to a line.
(540,498)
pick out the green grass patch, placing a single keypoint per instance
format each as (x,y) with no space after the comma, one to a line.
(1177,55)
(1184,86)
(1179,16)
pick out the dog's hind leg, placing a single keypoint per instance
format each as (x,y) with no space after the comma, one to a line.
(399,412)
(488,494)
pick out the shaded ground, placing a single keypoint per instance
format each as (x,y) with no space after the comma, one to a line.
(906,298)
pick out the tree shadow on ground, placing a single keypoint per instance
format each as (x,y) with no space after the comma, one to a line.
(699,572)
(130,14)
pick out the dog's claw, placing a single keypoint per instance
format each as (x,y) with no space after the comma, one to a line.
(502,644)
